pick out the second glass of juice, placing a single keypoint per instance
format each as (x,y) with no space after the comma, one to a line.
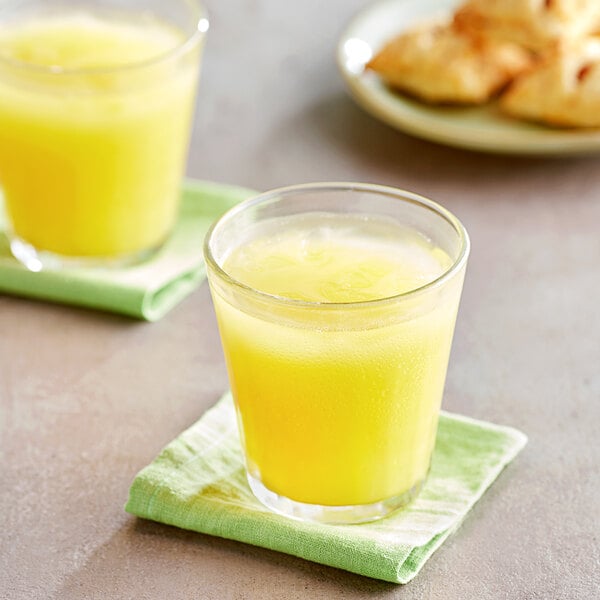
(336,306)
(96,102)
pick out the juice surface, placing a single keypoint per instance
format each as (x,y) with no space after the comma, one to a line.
(347,414)
(85,41)
(90,161)
(336,259)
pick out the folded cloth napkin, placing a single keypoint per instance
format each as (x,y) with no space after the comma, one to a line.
(198,482)
(146,291)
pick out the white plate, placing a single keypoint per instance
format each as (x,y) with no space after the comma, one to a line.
(481,128)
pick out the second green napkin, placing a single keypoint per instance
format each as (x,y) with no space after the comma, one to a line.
(146,291)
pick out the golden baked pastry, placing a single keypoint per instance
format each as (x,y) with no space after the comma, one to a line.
(536,24)
(564,90)
(439,64)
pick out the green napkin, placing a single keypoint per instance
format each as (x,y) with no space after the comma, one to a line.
(198,482)
(147,291)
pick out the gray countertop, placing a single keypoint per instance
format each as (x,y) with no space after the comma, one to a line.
(87,398)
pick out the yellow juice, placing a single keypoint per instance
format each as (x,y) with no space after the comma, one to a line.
(338,403)
(92,149)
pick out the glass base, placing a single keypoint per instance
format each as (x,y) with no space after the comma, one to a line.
(333,515)
(38,260)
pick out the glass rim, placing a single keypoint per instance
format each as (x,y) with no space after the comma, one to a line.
(198,33)
(396,193)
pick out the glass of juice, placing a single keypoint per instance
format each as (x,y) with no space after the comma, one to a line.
(96,103)
(336,306)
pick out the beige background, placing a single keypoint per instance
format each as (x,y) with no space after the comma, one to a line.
(89,398)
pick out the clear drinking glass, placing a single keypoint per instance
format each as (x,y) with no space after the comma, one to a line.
(336,306)
(96,102)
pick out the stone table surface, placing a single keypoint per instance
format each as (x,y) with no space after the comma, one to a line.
(87,398)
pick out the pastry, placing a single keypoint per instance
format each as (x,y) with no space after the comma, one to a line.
(536,24)
(563,90)
(439,64)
